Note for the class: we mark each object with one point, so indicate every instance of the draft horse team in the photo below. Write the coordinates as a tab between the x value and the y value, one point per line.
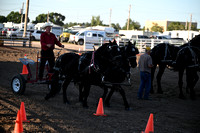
109	67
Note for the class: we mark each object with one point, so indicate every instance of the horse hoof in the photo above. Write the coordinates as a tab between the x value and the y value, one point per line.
107	105
85	106
152	91
47	97
160	92
182	97
128	109
67	102
192	98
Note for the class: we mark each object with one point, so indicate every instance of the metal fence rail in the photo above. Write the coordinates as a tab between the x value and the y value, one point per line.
141	44
15	40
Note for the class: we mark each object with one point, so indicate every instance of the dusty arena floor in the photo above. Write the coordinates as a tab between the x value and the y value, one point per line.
171	114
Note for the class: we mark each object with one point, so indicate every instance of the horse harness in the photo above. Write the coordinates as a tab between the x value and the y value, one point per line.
166	54
94	65
194	56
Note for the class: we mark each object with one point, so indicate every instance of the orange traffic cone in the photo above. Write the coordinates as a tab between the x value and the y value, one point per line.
24	70
18	124
79	51
149	127
100	111
23	113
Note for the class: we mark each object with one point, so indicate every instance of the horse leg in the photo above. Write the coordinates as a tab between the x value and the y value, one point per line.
158	77
122	92
81	92
152	78
192	79
107	100
86	94
64	87
192	92
180	83
54	86
105	88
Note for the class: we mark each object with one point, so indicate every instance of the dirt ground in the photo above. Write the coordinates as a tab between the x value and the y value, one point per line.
171	114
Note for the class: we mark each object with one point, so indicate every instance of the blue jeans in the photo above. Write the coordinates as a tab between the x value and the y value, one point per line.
145	83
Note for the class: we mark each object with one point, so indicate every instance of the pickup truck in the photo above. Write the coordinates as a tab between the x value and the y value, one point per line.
91	36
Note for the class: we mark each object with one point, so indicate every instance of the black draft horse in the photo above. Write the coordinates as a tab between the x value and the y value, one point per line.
113	77
163	55
128	53
166	55
67	67
188	58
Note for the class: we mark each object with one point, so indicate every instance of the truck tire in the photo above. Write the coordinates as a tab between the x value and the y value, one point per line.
81	42
18	84
62	39
32	38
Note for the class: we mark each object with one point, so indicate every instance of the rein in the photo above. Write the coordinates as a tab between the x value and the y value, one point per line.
92	62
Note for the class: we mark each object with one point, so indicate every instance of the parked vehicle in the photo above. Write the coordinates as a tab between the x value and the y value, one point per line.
121	39
64	37
91	36
161	37
139	37
20	32
57	31
3	32
72	36
36	35
11	31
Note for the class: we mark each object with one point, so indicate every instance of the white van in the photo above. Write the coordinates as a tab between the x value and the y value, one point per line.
91	36
57	31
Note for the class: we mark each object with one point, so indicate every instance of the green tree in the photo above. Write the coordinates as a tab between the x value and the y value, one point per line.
192	28
117	27
70	24
132	25
157	28
55	18
41	18
175	26
3	19
15	17
96	21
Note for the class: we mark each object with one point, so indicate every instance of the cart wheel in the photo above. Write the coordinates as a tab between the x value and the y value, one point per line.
18	84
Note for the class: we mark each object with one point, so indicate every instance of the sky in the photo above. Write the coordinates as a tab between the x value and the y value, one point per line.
82	10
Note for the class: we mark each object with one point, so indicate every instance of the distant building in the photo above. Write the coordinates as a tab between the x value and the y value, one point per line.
164	24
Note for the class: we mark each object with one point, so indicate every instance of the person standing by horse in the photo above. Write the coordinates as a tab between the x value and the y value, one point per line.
145	65
48	41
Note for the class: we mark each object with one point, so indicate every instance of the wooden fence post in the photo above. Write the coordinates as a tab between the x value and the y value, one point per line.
24	43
